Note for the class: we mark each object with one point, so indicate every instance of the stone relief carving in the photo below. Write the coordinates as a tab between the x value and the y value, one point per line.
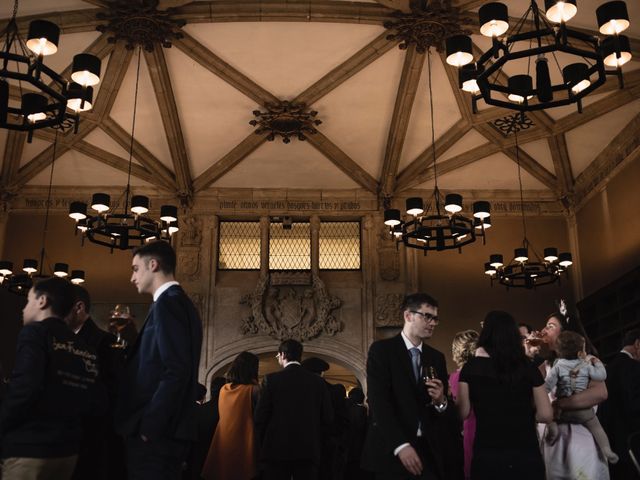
291	311
191	232
388	310
388	256
189	263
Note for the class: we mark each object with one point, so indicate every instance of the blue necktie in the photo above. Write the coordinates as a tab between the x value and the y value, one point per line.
415	362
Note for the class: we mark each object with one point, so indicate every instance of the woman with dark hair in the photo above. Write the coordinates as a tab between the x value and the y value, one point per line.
232	455
507	395
574	454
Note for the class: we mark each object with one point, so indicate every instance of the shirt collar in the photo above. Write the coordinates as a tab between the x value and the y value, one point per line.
627	353
292	362
408	343
161	289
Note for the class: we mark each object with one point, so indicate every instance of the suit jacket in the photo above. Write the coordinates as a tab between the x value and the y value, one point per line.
398	405
292	416
159	384
620	413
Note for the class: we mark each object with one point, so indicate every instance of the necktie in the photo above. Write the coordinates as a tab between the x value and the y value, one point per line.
415	362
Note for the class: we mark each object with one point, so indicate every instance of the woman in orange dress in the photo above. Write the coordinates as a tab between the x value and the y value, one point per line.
232	454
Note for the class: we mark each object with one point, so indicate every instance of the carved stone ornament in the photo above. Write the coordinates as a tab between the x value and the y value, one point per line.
139	22
287	120
388	256
388	310
189	263
428	25
292	311
191	232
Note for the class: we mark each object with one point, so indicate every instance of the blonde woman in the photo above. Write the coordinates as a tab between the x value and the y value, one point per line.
462	349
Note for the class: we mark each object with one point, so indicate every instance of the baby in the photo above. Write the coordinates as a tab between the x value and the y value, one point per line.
571	373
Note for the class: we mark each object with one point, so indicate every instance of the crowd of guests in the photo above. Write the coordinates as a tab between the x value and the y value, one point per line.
521	404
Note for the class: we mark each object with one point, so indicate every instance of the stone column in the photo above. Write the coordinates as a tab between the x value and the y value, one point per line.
574	245
265	222
315	244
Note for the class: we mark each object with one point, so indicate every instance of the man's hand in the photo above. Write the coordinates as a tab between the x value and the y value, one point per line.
410	460
436	390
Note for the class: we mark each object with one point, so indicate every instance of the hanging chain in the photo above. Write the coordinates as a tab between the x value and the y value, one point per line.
433	131
133	129
524	225
46	215
15	10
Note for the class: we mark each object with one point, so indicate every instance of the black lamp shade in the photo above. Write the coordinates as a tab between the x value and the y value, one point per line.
77	277
169	213
613	17
543	80
576	76
467	78
481	209
79	98
82	225
521	254
559	11
459	50
520	87
61	270
4	100
494	19
551	254
86	69
100	202
496	260
139	204
397	230
489	269
480	223
565	259
30	265
414	206
43	37
34	106
78	211
610	45
392	217
453	203
6	267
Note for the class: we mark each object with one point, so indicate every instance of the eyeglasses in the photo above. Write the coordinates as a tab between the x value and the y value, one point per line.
427	317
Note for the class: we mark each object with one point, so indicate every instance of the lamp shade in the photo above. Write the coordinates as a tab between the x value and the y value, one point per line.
82	225
86	69
139	204
392	217
414	206
543	80
169	213
481	209
6	267
100	202
397	231
521	254
78	211
79	98
459	50
172	228
34	107
43	37
453	203
488	269
565	259
467	78
611	45
576	76
30	265
480	223
496	260
613	18
61	270
520	87
558	11
551	254
494	19
77	277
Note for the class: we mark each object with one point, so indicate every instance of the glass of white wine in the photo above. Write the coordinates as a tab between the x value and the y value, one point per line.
120	318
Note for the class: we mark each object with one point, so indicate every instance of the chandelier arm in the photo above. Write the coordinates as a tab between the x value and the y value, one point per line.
133	128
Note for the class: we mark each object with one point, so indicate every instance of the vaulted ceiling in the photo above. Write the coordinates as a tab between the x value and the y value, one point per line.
195	102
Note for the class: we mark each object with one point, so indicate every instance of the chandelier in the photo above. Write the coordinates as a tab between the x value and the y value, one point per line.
132	227
543	40
50	100
21	283
439	226
525	271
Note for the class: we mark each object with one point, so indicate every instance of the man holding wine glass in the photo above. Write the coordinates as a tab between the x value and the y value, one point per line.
413	433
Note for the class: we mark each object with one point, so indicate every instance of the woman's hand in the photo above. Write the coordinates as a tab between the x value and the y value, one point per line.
592	396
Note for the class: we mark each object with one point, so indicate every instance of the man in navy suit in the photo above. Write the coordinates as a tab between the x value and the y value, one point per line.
157	397
414	431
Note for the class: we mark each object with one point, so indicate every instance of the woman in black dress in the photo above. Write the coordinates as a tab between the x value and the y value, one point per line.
508	396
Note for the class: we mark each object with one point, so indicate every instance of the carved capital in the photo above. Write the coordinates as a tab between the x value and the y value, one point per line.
388	310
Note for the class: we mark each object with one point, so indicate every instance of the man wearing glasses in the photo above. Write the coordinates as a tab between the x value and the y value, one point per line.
414	433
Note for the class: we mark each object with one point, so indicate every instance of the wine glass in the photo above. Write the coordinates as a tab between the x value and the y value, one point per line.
120	318
428	373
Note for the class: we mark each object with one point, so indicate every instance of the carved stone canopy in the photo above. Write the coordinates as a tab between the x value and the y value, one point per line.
139	22
285	119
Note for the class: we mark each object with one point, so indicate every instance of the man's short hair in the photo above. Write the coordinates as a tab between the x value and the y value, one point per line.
291	350
630	337
162	252
82	295
59	293
416	300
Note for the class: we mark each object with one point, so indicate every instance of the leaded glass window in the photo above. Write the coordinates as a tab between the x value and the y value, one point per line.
239	246
290	249
339	246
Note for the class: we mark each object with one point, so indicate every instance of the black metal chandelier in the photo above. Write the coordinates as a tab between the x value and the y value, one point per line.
439	226
132	227
21	282
524	270
50	100
537	38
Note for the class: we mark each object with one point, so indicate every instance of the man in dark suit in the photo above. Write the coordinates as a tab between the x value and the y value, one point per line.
620	413
158	391
292	415
414	432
